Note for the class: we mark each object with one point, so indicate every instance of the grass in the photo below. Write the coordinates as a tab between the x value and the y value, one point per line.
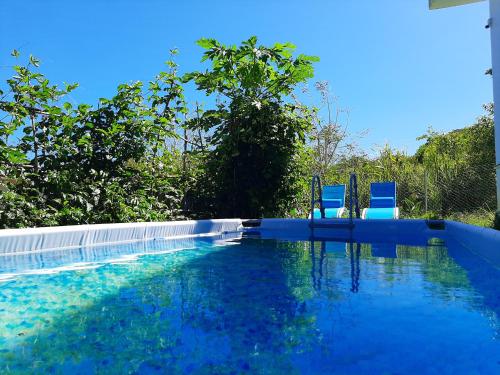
482	218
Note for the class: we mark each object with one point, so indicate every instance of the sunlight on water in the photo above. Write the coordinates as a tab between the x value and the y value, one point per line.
251	306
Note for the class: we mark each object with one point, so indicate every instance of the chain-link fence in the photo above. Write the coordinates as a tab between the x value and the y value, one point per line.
465	193
447	192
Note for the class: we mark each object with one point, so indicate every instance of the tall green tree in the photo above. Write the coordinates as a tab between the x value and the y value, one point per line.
257	133
32	114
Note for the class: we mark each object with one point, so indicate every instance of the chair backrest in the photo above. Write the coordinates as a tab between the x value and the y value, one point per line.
383	194
333	196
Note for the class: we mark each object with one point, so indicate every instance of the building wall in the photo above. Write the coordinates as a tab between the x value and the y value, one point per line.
495	54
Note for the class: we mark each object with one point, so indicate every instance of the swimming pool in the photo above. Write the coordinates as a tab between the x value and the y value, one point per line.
229	304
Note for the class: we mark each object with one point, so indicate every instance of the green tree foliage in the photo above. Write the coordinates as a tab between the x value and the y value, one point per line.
461	166
257	134
251	155
86	164
455	170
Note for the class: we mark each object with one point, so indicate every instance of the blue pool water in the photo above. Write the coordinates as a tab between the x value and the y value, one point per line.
249	305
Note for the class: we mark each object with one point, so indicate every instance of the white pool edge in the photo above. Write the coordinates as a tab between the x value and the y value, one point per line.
13	241
482	241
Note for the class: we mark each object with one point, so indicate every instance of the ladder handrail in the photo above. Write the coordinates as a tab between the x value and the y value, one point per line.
353	196
316	179
353	199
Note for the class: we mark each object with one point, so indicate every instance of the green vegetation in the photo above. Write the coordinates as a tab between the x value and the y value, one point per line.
453	174
256	136
62	164
146	154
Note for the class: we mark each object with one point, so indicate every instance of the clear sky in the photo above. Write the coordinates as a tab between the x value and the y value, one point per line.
397	66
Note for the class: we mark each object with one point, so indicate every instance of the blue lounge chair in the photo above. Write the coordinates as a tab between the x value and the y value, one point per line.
333	198
382	202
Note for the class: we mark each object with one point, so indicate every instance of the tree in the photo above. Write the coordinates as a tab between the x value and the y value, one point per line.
257	135
31	117
330	139
461	166
85	164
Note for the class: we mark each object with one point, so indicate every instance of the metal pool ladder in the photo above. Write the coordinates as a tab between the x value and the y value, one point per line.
353	197
353	204
316	181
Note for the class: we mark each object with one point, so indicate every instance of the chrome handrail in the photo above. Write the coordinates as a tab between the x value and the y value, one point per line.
353	197
316	180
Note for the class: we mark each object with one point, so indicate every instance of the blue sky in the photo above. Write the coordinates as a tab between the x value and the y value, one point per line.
396	66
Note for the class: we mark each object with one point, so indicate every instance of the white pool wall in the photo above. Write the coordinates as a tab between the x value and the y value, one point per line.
51	238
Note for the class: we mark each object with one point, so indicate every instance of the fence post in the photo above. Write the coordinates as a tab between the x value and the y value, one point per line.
425	190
